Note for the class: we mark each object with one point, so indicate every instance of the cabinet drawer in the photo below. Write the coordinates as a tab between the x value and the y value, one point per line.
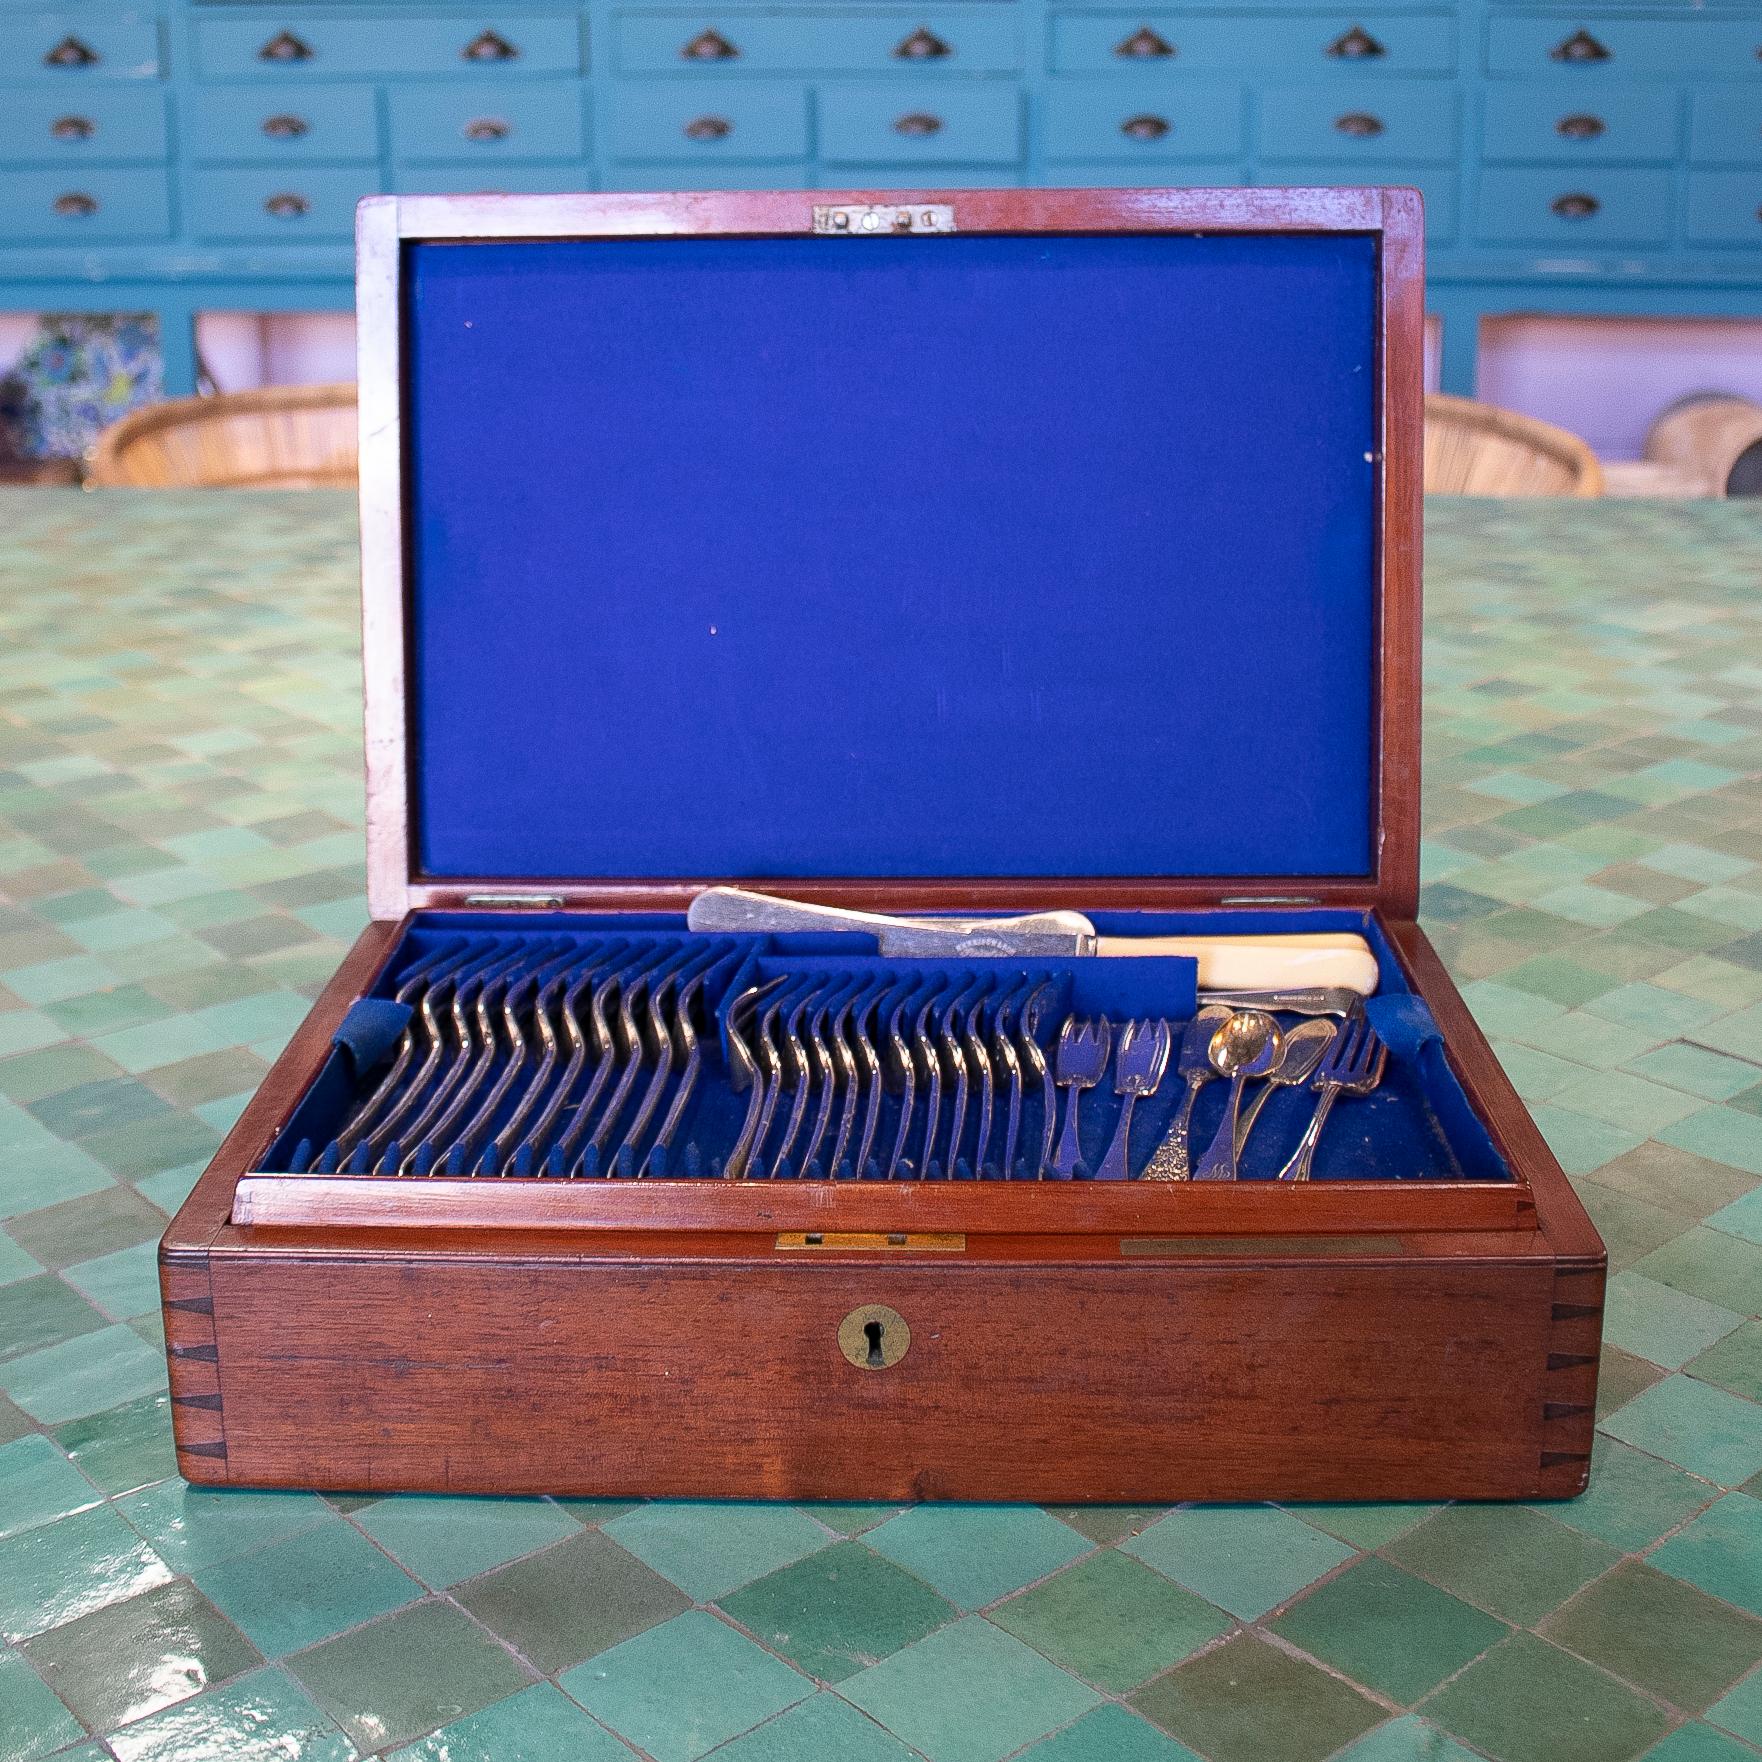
250	122
277	46
465	122
73	127
77	206
860	42
1627	48
1341	45
79	48
1437	189
1411	123
1578	125
1724	208
1150	125
663	119
510	177
1725	128
295	204
1572	210
921	124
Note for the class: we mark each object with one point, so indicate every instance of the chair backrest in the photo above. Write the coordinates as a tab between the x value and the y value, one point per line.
282	437
1475	449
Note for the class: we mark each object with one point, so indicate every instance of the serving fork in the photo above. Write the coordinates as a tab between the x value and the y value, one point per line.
1080	1063
1143	1057
1352	1065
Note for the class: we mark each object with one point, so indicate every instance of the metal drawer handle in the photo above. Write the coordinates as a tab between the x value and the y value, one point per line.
287	206
489	46
1359	124
1580	46
709	46
486	128
1575	206
1144	128
1580	127
71	52
76	205
285	128
1356	44
921	45
708	128
285	46
73	128
918	125
1144	45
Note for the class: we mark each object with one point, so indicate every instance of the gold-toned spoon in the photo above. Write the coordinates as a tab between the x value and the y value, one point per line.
1304	1047
1248	1045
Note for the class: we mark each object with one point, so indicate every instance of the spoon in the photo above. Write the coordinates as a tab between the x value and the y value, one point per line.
1304	1047
1248	1045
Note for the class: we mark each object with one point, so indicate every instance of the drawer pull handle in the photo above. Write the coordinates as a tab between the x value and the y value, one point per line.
486	128
1580	127
708	128
489	46
285	46
1356	44
285	128
1580	46
73	128
921	45
709	46
76	205
287	206
1575	206
1144	45
1144	128
71	52
918	125
1359	124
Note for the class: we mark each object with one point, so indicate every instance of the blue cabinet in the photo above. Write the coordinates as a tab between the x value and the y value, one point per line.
195	154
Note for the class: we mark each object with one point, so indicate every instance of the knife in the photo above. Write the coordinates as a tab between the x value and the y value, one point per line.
1266	962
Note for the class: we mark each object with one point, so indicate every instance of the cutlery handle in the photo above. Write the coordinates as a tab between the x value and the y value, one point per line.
1219	1161
1297	1169
1070	1150
1171	1161
1266	963
1115	1165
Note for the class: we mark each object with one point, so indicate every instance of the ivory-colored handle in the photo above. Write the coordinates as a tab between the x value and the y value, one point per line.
1262	963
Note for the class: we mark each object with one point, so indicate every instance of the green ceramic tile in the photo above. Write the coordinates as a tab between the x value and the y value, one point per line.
1633	1498
681	1689
924	1694
1245	1558
539	1724
571	1601
193	1527
1535	1075
33	1723
445	1540
1677	1179
1589	1040
38	1484
815	1730
847	1519
1705	1430
1724	1134
1247	1701
708	1549
1102	1524
1514	1562
1739	1033
1720	1552
263	1717
1385	1628
84	1374
1742	1217
1633	1104
974	1554
1654	1009
1109	1734
80	1229
1711	1075
1411	1739
407	1673
42	1311
1527	1701
1697	1743
839	1610
1631	1228
1735	1363
129	1659
122	1284
60	1571
306	1588
123	1447
1111	1621
33	1075
1582	1144
1658	1322
1364	1526
1741	1710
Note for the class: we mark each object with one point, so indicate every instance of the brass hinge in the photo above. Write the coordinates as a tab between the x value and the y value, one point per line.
549	902
874	220
935	1242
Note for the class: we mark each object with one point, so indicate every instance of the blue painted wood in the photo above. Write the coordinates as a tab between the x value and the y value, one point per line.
202	113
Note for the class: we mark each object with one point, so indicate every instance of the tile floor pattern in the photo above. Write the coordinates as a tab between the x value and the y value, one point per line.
180	867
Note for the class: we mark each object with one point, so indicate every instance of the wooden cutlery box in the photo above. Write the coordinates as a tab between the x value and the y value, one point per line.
952	552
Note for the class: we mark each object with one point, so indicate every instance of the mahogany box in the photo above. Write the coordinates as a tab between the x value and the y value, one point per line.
952	552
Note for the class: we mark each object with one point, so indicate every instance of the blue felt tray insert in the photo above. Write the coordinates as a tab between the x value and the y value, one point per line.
965	556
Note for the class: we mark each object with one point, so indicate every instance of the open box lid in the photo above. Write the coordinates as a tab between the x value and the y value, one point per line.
976	548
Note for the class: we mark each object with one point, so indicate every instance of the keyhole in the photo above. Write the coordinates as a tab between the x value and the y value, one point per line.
872	1332
874	1337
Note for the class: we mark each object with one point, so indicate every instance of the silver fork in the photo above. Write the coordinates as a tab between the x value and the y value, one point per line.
1144	1056
1172	1159
1353	1065
1080	1064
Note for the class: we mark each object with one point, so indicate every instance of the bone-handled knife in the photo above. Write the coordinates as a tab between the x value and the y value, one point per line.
1266	962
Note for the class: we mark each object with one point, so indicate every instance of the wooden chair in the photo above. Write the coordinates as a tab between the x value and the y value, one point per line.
282	437
1475	449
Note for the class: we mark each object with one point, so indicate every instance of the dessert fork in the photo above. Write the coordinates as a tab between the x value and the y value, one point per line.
1144	1056
1080	1063
1352	1065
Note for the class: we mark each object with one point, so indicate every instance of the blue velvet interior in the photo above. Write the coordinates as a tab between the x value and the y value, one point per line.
1417	1126
967	556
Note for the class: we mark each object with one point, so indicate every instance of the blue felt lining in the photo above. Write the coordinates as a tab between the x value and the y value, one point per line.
973	555
370	1029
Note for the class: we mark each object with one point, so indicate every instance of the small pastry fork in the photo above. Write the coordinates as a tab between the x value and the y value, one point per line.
1144	1056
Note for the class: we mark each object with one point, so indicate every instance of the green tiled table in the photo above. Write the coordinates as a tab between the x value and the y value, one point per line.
180	847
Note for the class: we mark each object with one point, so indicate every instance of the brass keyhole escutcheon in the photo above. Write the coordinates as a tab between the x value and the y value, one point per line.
874	1337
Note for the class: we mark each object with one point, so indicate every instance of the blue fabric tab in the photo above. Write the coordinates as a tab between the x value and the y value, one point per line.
1403	1023
370	1028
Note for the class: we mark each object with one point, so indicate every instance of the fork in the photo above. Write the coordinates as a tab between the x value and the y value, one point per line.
1352	1065
1144	1056
1081	1063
